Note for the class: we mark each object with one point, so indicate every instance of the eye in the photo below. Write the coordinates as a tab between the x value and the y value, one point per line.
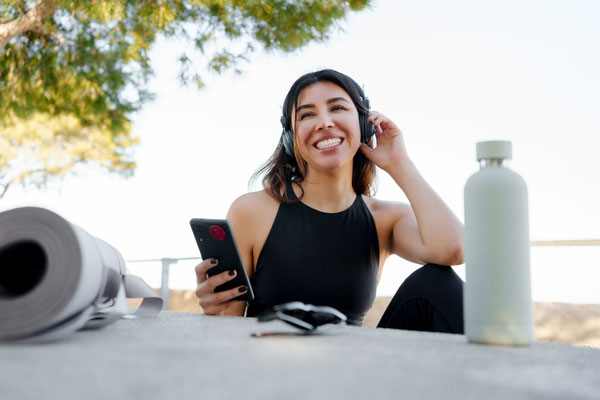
338	107
306	114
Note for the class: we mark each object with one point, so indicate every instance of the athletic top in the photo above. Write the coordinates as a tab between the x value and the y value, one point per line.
319	258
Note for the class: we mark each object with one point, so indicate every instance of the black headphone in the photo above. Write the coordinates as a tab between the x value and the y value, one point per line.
367	130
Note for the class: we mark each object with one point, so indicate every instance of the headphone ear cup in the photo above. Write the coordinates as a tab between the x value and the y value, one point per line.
367	129
287	137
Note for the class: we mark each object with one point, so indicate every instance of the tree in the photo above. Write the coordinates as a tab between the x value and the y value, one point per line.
73	72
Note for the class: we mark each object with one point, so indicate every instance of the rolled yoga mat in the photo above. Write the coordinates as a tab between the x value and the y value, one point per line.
55	278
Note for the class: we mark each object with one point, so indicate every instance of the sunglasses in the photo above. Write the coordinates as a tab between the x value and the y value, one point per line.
305	317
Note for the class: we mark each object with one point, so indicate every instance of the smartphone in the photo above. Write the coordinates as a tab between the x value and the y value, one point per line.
215	240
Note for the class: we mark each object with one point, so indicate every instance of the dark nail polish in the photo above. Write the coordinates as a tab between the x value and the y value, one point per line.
243	289
213	261
231	272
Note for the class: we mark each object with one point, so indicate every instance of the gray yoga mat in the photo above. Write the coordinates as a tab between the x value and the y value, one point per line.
55	278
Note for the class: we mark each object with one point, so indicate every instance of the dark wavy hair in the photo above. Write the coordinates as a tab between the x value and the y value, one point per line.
281	169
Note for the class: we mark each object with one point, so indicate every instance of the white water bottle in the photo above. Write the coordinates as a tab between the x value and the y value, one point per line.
497	295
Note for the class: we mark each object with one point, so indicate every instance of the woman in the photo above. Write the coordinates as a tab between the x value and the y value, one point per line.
315	235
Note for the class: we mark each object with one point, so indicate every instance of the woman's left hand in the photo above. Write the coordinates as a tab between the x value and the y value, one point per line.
390	148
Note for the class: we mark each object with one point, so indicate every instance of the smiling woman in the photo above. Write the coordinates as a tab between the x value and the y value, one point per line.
344	103
315	234
327	131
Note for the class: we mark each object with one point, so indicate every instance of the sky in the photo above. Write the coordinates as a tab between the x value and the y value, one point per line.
449	74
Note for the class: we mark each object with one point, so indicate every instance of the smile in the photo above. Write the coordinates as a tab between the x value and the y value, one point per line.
327	143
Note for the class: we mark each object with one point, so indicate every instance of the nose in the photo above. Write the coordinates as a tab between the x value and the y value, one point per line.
325	122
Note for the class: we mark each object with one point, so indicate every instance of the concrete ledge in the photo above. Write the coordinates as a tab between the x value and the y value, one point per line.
577	324
185	356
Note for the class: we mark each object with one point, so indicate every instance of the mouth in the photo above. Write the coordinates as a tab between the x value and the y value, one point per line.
328	143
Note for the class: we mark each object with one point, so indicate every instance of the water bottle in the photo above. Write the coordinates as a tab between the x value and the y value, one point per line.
497	295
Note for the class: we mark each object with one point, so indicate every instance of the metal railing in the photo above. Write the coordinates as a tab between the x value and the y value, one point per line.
167	262
564	243
164	279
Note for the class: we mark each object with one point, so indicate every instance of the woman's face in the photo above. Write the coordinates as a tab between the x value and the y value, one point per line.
326	126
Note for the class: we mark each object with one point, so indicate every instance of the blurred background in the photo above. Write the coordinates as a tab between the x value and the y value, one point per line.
449	74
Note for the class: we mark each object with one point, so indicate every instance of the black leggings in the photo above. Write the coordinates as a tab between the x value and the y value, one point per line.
430	299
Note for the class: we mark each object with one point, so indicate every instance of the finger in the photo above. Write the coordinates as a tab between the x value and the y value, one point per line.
212	300
387	124
203	267
376	119
375	115
378	128
217	308
227	295
209	285
381	121
202	290
366	150
217	280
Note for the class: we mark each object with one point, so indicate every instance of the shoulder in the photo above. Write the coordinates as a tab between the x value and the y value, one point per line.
254	199
387	209
252	205
251	216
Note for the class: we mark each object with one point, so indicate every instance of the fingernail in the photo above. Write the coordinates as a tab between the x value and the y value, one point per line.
243	289
213	261
231	272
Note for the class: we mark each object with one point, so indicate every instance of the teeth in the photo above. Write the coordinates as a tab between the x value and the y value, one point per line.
323	144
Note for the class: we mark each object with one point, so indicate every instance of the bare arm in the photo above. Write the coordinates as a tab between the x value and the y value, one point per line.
240	218
427	230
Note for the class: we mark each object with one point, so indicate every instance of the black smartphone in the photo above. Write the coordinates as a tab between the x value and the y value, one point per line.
215	240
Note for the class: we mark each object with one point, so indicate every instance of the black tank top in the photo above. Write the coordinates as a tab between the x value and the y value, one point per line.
319	258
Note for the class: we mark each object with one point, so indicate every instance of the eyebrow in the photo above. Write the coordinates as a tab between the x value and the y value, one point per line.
332	100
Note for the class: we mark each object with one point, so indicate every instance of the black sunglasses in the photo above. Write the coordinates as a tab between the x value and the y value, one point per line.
306	317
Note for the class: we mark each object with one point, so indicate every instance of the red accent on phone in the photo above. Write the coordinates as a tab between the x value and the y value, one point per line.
217	232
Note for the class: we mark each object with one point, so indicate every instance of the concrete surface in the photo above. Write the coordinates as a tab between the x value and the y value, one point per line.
577	324
192	356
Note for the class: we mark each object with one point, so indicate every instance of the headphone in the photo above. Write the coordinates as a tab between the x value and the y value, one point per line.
367	130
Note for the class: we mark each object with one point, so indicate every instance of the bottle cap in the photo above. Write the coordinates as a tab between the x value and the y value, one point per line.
498	149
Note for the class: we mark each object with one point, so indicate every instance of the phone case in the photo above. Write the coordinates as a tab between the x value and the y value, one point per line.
215	240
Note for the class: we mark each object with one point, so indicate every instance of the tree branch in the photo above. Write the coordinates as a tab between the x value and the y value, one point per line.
25	174
31	21
5	188
18	178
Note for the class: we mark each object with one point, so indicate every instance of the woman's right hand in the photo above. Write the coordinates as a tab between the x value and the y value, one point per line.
215	303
